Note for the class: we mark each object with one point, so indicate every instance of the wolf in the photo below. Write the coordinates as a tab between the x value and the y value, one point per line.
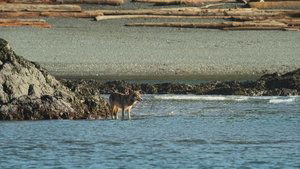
123	102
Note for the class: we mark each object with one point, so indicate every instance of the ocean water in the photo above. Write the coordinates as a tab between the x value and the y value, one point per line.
167	131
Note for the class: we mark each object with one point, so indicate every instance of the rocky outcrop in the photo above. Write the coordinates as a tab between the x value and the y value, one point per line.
267	85
29	92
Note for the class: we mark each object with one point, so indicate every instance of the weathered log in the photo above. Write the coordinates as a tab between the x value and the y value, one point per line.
194	12
253	28
5	7
181	2
19	14
292	29
82	14
275	5
286	20
17	24
31	1
259	18
104	2
24	22
105	17
220	25
289	21
270	0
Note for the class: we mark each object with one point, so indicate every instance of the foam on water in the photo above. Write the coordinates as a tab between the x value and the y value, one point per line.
270	99
283	100
188	97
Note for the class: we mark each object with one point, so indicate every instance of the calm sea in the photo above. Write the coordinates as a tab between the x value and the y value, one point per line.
167	131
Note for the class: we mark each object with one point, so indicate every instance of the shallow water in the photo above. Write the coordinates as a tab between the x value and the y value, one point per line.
167	131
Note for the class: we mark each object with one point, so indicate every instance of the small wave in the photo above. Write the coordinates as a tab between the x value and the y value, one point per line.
197	97
270	99
282	100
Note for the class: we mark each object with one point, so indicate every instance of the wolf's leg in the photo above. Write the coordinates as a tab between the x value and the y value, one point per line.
116	114
111	112
129	116
123	113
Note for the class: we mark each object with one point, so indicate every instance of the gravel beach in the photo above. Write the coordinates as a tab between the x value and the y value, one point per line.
109	50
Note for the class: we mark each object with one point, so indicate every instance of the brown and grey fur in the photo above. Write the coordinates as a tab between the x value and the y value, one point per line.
123	102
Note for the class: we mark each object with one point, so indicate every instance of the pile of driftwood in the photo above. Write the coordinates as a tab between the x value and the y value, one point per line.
9	12
265	4
242	18
258	17
21	12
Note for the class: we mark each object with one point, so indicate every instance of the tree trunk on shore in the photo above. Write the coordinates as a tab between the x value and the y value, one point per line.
31	1
104	2
275	5
104	17
221	25
192	11
38	8
181	2
25	22
252	28
82	14
270	0
19	14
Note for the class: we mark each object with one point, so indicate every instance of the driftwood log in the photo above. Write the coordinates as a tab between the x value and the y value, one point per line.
5	7
270	0
106	2
24	22
257	25
30	1
103	2
181	2
193	11
276	5
109	17
253	28
82	14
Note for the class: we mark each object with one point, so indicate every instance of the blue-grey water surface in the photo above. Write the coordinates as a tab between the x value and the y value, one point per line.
167	131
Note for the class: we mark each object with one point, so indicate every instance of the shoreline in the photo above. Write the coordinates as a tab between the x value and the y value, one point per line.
161	78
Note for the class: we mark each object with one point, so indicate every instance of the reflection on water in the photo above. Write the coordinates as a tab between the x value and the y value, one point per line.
167	131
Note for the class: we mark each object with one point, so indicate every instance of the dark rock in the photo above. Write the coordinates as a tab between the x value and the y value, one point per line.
167	88
29	92
268	85
148	88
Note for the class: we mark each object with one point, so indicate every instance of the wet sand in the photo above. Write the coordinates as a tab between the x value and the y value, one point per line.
109	50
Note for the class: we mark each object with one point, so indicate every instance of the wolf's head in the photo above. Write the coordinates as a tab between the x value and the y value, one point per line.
135	95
